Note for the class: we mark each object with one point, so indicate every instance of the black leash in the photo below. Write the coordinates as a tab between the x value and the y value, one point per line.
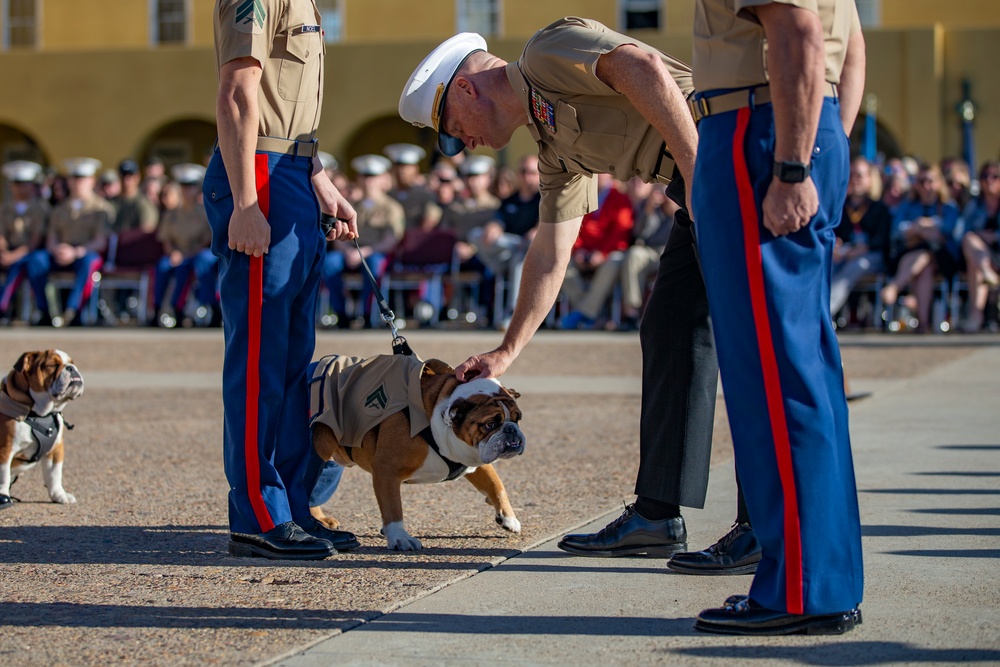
399	344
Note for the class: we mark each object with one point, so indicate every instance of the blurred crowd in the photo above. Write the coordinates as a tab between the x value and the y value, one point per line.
917	248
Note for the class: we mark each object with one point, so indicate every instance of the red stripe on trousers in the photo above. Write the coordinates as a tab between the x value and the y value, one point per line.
769	364
256	302
88	287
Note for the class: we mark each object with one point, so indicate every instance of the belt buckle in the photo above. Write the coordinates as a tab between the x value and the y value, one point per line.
699	108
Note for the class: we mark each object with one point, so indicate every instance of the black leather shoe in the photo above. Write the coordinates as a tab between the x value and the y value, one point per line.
286	541
5	502
743	616
630	535
341	539
738	552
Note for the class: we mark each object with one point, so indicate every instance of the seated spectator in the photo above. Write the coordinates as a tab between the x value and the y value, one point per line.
381	224
23	223
598	252
134	210
957	180
981	244
445	185
187	240
109	185
78	234
862	237
897	185
469	213
409	187
654	218
923	241
505	239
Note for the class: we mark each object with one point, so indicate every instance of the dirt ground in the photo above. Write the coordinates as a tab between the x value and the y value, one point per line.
137	571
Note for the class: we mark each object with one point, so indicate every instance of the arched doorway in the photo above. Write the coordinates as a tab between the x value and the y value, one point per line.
188	140
18	145
376	134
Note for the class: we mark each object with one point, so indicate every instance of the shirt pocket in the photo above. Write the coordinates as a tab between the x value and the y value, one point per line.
298	77
597	134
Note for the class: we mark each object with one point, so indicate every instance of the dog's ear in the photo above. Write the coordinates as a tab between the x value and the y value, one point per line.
514	393
437	367
459	410
25	360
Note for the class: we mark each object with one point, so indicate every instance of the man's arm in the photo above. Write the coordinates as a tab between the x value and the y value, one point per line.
797	71
238	120
542	277
646	82
852	81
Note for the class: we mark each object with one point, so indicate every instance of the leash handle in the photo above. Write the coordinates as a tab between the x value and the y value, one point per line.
399	344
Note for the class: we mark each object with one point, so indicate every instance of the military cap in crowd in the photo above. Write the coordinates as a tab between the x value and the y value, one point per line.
476	165
327	160
188	173
109	176
421	103
404	153
128	167
370	165
82	167
22	171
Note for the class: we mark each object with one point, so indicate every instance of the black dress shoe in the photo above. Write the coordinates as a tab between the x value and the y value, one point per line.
286	541
630	535
5	502
738	552
341	539
743	616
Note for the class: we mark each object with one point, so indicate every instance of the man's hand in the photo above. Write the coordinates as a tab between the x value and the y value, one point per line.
489	365
249	232
788	207
331	202
64	254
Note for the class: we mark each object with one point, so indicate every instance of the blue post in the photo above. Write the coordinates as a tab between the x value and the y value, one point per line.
870	145
967	112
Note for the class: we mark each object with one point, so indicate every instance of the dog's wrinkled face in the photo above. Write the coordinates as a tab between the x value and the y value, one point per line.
484	415
53	379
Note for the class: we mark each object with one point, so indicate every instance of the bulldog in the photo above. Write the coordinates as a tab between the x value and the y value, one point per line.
407	421
32	398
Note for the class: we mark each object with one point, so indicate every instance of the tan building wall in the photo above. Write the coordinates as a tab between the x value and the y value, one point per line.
948	13
80	96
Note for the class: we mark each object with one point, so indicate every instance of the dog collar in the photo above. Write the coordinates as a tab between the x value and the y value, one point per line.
455	470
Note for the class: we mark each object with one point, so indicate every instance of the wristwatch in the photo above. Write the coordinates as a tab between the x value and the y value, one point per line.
791	172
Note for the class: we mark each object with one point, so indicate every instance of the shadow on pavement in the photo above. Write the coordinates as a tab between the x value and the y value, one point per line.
199	546
970	447
34	614
842	654
610	626
949	553
970	511
917	531
943	492
958	474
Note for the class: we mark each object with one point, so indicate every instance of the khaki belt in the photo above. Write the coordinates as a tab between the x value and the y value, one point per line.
709	106
288	146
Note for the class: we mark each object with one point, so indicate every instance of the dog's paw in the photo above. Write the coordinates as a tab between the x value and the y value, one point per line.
400	540
62	498
509	523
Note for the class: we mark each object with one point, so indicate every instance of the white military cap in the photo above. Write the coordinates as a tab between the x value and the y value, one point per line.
405	153
370	165
476	165
188	173
22	171
82	166
423	98
327	160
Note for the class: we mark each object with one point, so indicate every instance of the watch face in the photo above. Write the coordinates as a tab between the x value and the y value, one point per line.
791	172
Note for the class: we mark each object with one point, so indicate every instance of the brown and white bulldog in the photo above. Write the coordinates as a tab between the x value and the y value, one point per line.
406	421
32	398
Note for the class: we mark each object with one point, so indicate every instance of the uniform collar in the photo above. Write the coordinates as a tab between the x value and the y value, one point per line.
523	91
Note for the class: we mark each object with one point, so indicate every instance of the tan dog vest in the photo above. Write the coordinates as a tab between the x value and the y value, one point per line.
353	395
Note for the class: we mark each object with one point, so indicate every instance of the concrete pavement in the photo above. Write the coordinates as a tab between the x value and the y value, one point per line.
927	456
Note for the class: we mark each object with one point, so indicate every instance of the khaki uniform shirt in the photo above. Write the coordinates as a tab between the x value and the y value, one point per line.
379	217
414	202
468	214
18	228
583	126
135	213
185	230
79	225
285	37
730	49
352	395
